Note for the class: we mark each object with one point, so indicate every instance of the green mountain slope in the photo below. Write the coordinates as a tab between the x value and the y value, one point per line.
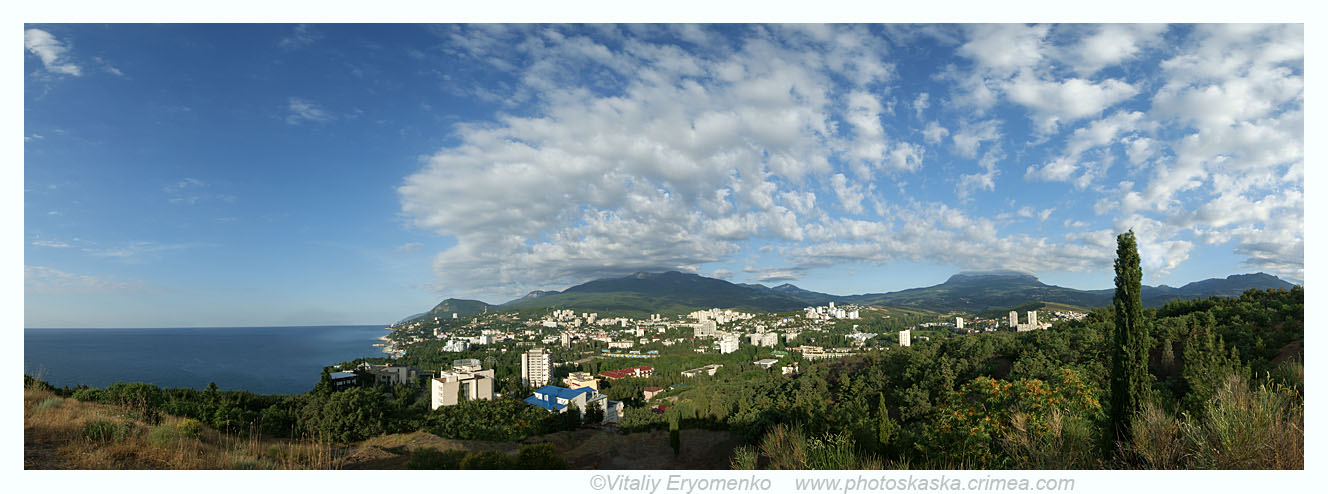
667	293
673	293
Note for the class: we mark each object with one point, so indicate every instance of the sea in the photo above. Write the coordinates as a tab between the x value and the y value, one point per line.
265	360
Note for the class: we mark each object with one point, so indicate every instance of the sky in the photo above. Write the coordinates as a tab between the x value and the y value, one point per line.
280	174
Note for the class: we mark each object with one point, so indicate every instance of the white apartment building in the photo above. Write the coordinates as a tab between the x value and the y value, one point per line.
464	381
729	344
536	364
1014	319
959	322
905	338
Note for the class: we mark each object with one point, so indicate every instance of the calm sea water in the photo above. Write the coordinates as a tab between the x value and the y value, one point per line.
279	360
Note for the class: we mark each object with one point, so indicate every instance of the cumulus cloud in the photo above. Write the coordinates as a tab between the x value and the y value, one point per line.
1111	44
52	52
620	149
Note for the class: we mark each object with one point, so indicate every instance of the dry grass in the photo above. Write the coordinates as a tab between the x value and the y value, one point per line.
54	438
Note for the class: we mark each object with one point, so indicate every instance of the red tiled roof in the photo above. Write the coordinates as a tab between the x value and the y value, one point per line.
628	372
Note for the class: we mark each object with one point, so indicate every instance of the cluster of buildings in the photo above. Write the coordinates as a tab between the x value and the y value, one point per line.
1030	325
828	312
721	316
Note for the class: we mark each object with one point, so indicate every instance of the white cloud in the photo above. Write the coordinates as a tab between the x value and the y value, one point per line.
51	51
1098	134
42	279
971	136
1056	103
1111	44
303	35
1004	49
986	180
920	104
934	133
408	247
55	244
301	110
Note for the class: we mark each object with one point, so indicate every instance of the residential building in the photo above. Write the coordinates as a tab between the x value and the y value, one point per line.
456	346
581	380
1014	319
789	368
390	374
639	371
708	370
766	363
650	392
559	399
466	380
1032	318
704	329
729	344
536	364
959	323
905	338
342	380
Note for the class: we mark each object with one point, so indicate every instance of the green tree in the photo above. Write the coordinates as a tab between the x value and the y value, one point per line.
1130	380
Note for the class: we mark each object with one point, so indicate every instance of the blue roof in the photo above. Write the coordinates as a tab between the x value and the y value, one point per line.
545	404
561	392
553	393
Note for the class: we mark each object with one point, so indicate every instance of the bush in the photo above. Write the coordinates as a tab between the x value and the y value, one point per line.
1244	428
143	399
89	395
99	430
162	436
744	458
189	428
540	457
104	430
49	403
487	460
432	459
1155	440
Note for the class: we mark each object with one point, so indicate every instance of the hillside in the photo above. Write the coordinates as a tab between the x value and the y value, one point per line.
978	292
460	307
668	293
673	293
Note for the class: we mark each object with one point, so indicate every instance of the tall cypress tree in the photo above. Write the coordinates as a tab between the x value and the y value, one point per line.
1130	381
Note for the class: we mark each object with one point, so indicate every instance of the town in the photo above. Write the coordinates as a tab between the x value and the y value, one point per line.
562	360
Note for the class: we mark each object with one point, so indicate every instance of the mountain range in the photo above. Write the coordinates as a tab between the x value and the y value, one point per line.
672	292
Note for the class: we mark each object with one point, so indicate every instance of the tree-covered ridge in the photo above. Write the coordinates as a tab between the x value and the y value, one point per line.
674	293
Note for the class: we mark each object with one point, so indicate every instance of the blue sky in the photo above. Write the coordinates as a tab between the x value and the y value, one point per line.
275	174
